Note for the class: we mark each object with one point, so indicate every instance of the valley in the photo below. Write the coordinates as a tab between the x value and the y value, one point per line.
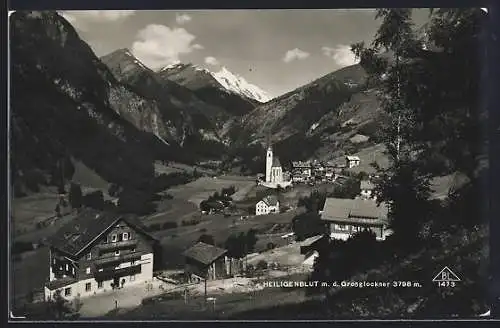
149	182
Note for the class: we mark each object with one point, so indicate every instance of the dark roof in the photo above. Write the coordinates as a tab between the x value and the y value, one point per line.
80	232
355	211
270	200
59	283
204	253
276	162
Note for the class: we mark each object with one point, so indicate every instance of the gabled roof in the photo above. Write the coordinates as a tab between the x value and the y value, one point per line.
367	185
352	158
270	200
354	211
79	233
204	253
276	162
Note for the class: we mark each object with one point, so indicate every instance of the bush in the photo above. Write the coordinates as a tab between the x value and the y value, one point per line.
94	200
261	265
207	239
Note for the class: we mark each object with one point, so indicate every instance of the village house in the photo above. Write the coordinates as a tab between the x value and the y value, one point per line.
367	189
205	261
318	170
352	161
345	217
269	204
98	252
301	171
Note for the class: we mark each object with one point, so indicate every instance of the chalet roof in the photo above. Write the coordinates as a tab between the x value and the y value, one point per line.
354	211
276	162
352	158
59	283
79	233
270	200
367	185
204	253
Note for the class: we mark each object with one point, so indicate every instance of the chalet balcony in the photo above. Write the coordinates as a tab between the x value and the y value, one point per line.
116	260
114	273
117	245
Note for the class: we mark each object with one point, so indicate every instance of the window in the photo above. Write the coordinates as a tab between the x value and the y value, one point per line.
113	238
88	270
67	267
125	236
89	256
117	252
67	291
88	287
132	277
99	284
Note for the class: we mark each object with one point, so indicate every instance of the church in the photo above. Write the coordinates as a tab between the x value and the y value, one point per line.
274	171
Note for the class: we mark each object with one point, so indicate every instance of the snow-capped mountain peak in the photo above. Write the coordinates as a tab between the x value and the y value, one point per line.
239	85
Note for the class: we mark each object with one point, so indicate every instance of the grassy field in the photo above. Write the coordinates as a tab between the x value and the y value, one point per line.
29	273
201	189
28	211
172	210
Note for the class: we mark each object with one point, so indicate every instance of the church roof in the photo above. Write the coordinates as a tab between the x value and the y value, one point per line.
276	162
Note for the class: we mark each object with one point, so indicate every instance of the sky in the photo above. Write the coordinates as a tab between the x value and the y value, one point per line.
277	50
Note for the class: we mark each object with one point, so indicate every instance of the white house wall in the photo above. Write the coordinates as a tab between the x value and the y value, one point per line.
78	288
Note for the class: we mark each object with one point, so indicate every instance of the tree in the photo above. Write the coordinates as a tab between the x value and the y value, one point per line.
239	245
307	225
250	240
75	196
207	239
59	307
94	200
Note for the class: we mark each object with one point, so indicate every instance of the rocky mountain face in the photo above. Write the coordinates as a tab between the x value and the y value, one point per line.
65	103
234	94
187	116
315	120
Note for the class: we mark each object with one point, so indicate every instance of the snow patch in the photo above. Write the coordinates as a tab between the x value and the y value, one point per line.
239	85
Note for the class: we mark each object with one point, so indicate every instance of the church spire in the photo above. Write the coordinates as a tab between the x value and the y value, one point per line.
268	141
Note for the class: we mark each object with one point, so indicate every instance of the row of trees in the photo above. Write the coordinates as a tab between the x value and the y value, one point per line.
218	201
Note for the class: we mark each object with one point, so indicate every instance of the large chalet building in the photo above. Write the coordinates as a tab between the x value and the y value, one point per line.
97	252
346	217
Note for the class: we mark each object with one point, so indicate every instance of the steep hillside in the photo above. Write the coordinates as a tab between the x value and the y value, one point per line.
317	119
66	103
179	106
207	86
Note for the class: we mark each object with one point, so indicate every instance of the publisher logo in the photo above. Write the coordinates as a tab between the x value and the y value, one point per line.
446	278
